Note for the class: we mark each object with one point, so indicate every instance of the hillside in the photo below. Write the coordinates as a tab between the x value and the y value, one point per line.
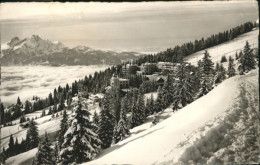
180	136
228	48
165	142
38	51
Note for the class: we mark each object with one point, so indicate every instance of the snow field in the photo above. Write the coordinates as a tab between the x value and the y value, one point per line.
228	48
23	158
46	123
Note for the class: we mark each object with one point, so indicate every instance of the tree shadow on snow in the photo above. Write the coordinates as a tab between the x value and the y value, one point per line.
118	146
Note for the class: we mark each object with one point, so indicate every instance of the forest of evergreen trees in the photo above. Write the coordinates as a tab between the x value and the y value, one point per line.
89	137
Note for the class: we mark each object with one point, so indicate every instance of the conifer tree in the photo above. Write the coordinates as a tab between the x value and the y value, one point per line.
32	136
207	75
43	113
231	67
155	118
141	106
167	91
54	109
121	130
159	103
127	103
207	64
61	105
50	99
147	107
27	107
11	145
69	98
223	59
115	103
16	146
217	67
45	154
81	143
56	152
55	96
22	119
183	90
246	61
236	56
138	111
3	156
151	106
19	101
96	120
50	111
2	113
106	123
134	116
221	74
63	128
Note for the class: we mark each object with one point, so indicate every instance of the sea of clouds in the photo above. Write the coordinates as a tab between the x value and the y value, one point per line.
26	81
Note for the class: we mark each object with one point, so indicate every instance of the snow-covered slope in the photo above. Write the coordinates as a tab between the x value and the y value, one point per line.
165	142
228	48
23	158
46	123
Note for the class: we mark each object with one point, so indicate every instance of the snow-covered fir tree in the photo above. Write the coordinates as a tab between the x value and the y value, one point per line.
236	56
56	152
43	113
106	123
32	136
138	111
220	74
217	66
81	143
115	103
45	154
206	75
159	103
246	61
167	91
231	67
207	64
183	90
63	128
148	107
50	111
27	108
96	120
121	130
54	109
141	106
61	104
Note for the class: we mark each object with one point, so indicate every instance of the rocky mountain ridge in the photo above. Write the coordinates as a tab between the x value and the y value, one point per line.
38	51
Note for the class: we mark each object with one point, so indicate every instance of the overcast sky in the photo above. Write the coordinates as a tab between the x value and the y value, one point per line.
144	27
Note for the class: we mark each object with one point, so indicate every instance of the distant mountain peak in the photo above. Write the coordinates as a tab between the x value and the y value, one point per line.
35	50
35	37
14	41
